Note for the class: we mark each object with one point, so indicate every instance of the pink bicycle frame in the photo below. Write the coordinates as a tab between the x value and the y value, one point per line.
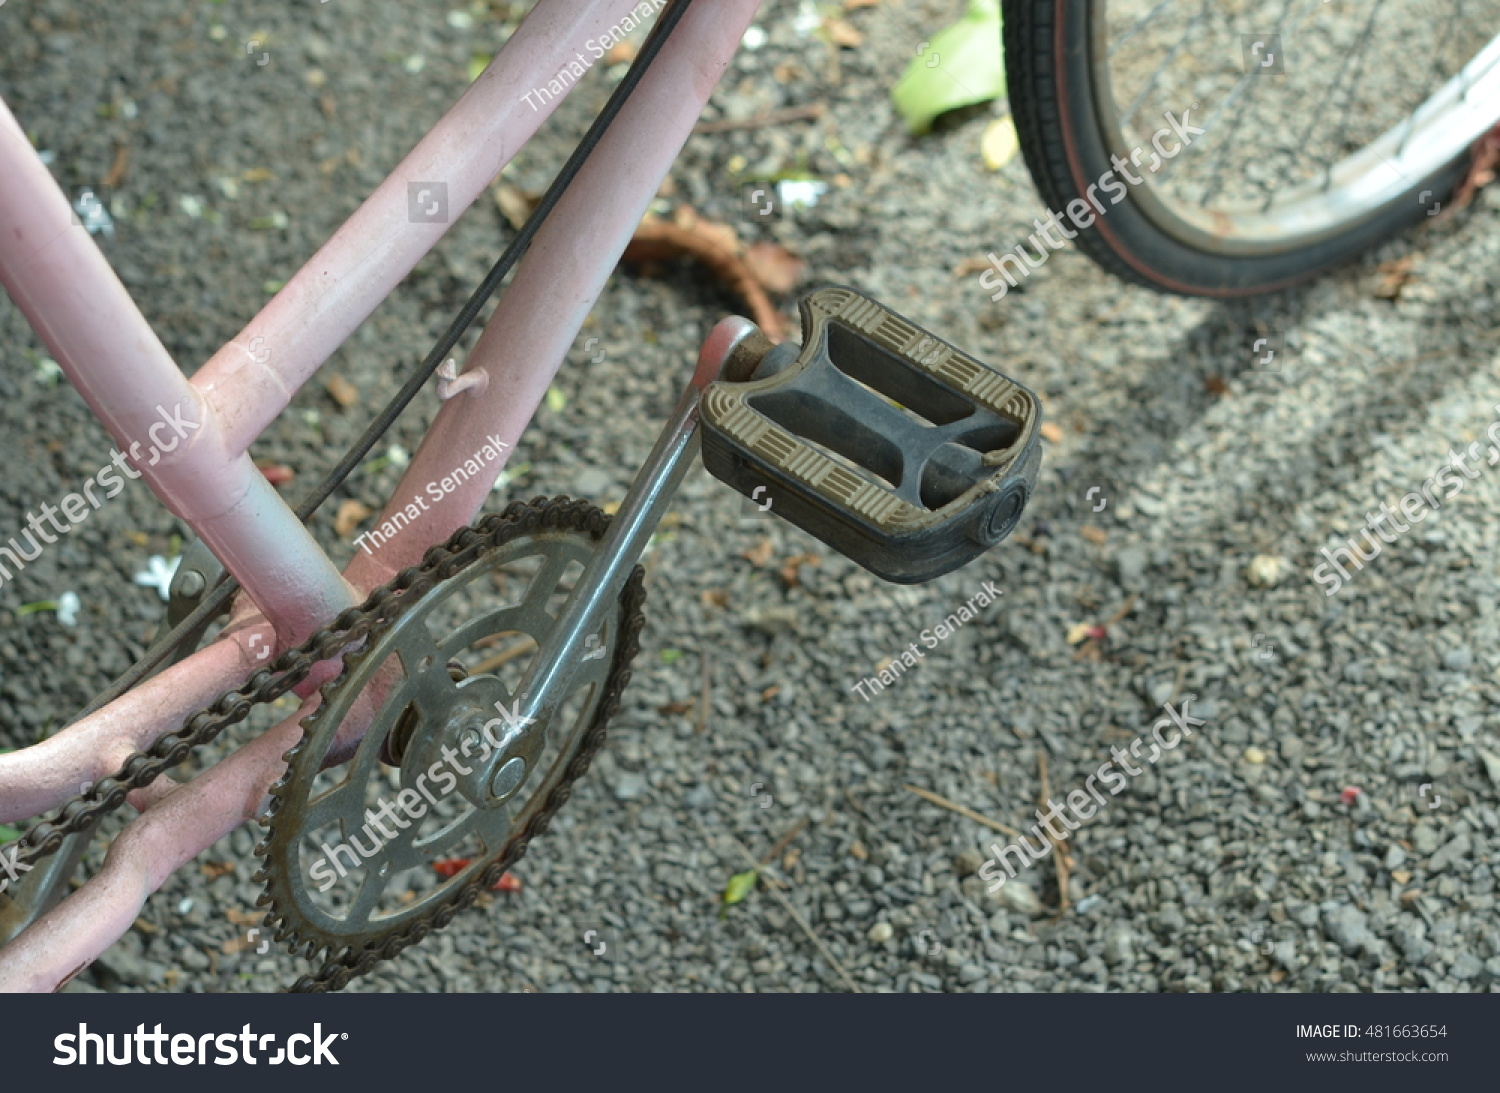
65	287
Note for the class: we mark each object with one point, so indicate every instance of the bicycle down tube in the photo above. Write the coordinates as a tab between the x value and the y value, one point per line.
239	391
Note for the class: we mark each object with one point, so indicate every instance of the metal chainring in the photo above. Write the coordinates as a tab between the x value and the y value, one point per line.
402	653
293	666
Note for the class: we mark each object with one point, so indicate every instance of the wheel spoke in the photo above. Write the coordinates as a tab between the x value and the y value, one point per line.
1247	85
1139	25
1310	153
1336	149
1166	61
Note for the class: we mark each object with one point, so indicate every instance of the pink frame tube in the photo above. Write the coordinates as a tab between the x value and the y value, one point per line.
69	293
603	207
67	290
380	244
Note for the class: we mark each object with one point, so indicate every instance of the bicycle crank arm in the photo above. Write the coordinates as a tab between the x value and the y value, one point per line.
891	446
732	346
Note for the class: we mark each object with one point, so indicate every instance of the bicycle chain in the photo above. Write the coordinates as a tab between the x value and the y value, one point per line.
336	972
293	666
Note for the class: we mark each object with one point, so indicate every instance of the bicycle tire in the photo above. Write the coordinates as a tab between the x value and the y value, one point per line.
1049	58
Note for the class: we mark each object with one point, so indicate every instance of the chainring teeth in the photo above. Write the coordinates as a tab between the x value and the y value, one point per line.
343	960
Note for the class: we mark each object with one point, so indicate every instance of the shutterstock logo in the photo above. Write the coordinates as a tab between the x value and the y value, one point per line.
189	1050
10	867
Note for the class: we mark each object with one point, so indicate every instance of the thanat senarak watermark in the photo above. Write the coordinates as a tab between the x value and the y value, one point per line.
931	638
574	71
438	490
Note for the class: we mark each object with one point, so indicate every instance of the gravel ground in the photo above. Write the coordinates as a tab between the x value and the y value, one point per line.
1239	862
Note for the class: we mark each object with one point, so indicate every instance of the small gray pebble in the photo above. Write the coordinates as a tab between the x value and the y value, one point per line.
630	786
1458	660
968	862
1119	945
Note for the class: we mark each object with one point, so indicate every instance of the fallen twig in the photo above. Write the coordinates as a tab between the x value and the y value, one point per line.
504	656
781	844
704	696
774	886
1059	846
810	112
943	802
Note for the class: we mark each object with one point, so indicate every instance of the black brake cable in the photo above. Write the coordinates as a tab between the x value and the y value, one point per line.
215	600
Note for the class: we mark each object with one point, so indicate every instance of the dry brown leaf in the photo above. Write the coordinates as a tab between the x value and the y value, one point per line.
1394	276
714	597
721	235
341	390
514	203
1078	631
855	5
842	33
348	517
970	265
245	918
1052	431
213	870
791	567
1094	534
714	245
116	174
760	553
1484	157
858	850
776	268
622	54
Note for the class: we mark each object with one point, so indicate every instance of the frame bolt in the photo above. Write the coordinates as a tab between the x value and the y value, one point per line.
508	778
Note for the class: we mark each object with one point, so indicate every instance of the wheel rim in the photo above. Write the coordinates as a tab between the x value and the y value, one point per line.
1327	193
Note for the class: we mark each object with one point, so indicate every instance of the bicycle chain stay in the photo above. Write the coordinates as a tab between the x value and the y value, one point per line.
294	666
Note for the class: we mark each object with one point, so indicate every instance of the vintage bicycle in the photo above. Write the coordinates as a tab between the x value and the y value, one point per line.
414	740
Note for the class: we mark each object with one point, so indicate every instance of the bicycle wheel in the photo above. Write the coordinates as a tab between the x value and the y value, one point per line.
1236	148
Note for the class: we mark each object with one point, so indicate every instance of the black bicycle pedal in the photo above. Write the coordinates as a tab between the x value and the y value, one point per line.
896	449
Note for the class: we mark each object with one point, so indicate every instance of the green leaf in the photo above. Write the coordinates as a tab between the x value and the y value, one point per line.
740	885
478	62
961	65
671	656
556	400
8	834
